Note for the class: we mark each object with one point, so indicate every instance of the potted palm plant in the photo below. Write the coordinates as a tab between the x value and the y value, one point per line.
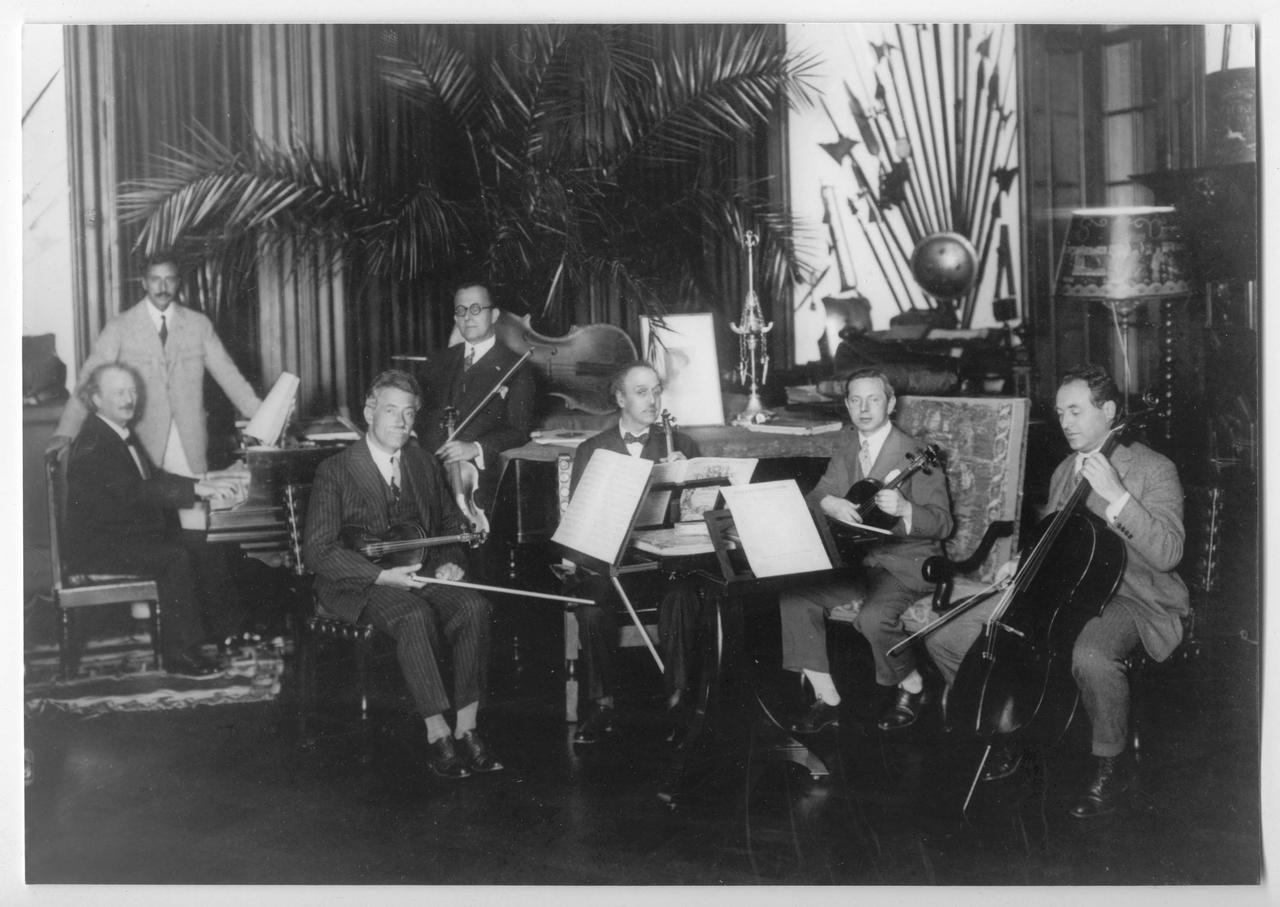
565	161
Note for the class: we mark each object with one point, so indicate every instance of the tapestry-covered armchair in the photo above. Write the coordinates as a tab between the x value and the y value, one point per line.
984	446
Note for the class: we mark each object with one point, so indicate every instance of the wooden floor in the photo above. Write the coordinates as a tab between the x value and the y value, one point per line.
226	795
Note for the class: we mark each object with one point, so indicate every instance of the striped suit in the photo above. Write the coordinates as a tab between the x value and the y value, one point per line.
350	491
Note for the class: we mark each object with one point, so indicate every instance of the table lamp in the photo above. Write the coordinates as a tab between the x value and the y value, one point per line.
1123	257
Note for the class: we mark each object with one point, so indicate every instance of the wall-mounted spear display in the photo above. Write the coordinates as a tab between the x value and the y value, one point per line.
932	108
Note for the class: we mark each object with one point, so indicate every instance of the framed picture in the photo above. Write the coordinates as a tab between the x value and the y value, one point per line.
683	350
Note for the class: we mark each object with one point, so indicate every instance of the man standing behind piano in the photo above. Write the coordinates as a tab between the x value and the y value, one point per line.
376	483
637	390
890	580
461	376
171	347
122	518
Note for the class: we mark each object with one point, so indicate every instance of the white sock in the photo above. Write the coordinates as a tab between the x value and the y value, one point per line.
823	686
913	682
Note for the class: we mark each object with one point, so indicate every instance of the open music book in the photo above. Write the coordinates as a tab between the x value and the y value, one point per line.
693	501
599	518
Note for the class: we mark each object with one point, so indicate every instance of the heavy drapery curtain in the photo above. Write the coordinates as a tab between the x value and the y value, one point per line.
137	93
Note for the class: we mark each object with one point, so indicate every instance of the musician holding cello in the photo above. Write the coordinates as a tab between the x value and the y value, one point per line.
376	484
1133	493
919	518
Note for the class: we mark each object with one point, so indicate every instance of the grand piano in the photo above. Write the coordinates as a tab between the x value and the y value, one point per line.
258	524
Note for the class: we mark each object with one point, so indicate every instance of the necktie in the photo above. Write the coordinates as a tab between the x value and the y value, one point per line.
164	330
470	359
132	441
864	458
628	438
395	479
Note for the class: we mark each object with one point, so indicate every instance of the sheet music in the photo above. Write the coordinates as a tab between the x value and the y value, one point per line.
267	424
599	516
776	528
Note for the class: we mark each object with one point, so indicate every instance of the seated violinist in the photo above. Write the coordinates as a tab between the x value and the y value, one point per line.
1136	492
122	517
637	389
461	377
378	483
920	512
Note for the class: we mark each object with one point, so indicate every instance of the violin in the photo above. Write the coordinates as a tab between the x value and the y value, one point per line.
464	479
862	494
1017	678
668	429
402	543
576	367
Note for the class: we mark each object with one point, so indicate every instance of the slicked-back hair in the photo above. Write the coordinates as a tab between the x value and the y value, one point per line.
1102	387
618	382
397	378
870	373
160	258
93	383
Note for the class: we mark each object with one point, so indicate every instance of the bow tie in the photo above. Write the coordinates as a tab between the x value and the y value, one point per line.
628	438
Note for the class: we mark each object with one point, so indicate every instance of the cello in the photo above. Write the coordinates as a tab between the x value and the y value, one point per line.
1016	679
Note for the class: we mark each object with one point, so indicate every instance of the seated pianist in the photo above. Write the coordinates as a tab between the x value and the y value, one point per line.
637	390
122	518
890	580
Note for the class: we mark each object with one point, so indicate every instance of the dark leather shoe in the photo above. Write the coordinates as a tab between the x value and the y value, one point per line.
444	761
1002	763
191	664
1112	778
904	711
476	755
819	717
595	728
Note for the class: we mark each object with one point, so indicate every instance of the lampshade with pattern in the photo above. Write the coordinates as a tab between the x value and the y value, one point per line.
1123	255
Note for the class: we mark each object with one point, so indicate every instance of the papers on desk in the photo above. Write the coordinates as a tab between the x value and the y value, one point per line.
776	527
683	539
331	428
789	425
561	437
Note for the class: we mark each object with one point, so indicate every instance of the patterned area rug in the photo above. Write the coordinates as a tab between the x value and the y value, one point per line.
119	675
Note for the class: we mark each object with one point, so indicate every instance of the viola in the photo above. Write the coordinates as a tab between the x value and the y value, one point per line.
402	543
862	494
1016	679
464	479
576	367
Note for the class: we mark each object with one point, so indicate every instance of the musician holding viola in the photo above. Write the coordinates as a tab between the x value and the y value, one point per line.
919	511
376	484
637	390
1136	492
461	377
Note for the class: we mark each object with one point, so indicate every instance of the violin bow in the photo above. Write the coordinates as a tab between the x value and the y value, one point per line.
484	588
489	396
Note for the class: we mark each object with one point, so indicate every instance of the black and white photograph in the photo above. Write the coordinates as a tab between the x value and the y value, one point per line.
520	454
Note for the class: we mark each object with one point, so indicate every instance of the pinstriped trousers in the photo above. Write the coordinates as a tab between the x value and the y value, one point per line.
419	621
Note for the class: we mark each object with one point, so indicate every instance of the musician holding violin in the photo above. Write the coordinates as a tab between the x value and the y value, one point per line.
637	390
918	518
382	487
1130	496
462	378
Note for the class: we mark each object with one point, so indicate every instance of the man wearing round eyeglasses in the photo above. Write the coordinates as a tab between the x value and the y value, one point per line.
461	377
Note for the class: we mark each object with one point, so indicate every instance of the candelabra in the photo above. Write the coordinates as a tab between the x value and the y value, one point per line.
753	352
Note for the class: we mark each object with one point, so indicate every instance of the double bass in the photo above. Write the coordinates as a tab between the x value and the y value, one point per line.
1016	679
